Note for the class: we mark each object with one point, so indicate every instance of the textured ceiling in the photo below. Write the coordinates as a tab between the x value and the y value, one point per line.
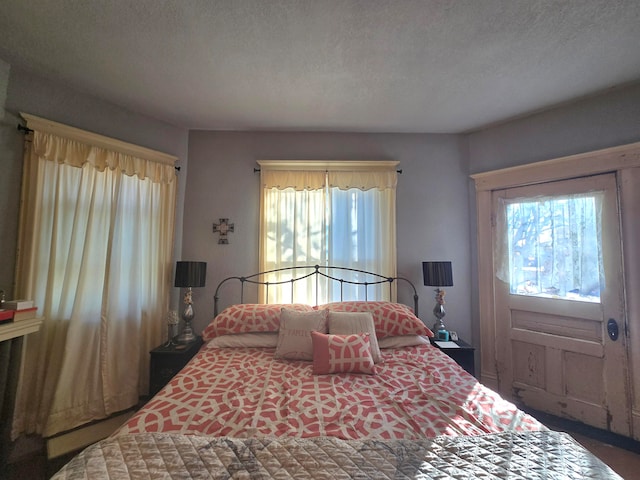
332	65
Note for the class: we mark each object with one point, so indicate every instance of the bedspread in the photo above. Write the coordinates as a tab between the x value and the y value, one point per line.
516	456
241	392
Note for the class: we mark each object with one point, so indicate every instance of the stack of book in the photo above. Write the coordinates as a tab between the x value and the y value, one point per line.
21	309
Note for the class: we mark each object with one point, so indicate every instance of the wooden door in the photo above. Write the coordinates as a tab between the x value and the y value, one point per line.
562	352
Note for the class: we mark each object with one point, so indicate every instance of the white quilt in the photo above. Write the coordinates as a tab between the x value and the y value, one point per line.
513	456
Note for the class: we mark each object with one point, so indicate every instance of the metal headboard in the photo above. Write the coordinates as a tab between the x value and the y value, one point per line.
304	272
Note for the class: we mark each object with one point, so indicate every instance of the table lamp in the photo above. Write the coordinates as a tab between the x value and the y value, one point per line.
438	274
188	275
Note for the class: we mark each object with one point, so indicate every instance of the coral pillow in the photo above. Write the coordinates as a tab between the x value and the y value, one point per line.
294	337
342	354
390	319
343	323
248	318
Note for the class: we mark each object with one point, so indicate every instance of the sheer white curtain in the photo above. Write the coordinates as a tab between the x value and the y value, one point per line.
342	217
95	252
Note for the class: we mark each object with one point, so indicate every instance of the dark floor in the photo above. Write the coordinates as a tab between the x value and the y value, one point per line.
620	453
36	467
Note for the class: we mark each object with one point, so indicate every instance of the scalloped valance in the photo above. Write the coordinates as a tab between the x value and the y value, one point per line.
67	145
314	175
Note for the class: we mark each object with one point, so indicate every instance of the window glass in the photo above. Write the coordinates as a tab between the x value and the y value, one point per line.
555	247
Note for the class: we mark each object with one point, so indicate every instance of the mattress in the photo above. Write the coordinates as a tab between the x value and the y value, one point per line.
509	455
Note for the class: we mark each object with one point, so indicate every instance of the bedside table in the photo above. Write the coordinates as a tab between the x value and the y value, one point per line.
463	356
167	361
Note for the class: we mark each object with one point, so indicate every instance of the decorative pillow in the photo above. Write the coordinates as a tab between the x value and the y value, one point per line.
390	319
343	323
342	353
294	337
248	318
239	340
403	341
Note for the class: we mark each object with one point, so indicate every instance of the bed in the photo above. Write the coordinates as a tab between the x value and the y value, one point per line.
347	389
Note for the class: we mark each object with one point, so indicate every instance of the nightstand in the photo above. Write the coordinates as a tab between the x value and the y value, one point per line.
166	361
463	356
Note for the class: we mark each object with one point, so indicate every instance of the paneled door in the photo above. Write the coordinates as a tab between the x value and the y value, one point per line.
559	292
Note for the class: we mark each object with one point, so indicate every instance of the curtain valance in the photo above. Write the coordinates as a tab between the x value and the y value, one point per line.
314	175
296	179
71	152
363	180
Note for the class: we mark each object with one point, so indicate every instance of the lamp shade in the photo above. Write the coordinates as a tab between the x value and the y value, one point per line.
437	274
191	274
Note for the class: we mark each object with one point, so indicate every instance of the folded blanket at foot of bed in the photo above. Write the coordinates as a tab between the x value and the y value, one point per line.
527	455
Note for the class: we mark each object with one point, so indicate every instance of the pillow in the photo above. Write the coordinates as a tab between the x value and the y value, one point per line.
248	318
390	319
342	323
294	337
238	340
342	353
403	341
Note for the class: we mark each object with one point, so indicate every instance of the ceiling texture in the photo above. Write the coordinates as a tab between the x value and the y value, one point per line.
438	66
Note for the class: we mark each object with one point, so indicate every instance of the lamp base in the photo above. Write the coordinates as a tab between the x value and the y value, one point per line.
187	335
438	326
438	312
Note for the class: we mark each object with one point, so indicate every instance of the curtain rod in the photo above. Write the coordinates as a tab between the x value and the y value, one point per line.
257	170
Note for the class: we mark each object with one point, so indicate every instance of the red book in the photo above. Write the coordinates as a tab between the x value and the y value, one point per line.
6	316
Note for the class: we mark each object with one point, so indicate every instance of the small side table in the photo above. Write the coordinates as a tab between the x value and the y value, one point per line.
463	356
166	361
11	349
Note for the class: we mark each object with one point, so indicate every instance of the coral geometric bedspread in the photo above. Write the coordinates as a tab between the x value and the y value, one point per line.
418	392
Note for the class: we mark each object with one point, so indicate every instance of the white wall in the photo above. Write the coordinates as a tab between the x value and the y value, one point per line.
4	84
10	148
432	205
597	122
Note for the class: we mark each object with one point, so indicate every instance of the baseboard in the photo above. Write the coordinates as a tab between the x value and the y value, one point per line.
489	379
84	436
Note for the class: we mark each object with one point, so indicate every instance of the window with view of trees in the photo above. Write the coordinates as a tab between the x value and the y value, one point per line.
555	247
333	215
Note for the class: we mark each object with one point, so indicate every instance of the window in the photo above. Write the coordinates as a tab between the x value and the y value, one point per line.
555	247
97	225
338	214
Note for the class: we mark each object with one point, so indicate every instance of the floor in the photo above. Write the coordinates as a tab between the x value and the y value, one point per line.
623	458
620	453
624	462
36	468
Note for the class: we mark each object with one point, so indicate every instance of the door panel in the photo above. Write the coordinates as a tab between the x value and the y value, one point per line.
555	354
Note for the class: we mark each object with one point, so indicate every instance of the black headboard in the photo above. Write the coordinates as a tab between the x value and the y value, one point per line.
334	274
